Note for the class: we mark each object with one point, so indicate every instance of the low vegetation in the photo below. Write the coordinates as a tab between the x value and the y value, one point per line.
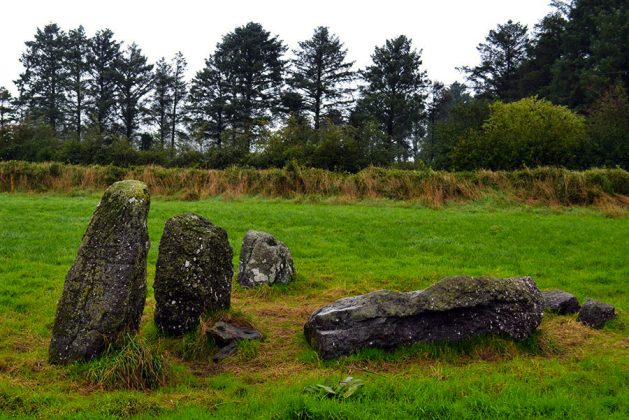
565	370
605	188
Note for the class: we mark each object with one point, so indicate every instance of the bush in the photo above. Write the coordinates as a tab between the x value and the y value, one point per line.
528	133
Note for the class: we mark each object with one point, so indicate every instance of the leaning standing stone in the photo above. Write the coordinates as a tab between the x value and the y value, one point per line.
104	291
193	274
264	260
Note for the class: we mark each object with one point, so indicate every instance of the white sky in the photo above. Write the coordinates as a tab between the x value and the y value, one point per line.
448	31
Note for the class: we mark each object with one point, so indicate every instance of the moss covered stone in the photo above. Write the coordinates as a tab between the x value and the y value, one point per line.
264	260
454	309
104	291
193	275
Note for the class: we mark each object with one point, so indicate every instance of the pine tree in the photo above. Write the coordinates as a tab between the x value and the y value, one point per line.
42	84
103	59
77	68
209	102
134	78
7	110
394	91
322	74
161	99
253	61
501	55
179	93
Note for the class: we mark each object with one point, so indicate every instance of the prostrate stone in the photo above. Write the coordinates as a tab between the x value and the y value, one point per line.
226	335
560	302
193	274
264	260
104	291
595	314
453	309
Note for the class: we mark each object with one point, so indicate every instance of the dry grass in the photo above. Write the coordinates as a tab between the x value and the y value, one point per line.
604	188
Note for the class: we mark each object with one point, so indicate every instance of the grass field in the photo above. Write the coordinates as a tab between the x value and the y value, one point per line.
567	370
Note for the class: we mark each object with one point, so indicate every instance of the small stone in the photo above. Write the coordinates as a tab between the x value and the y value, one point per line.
190	283
225	333
104	291
264	260
595	314
560	302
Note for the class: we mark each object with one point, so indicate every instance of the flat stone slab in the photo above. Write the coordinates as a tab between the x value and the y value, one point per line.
264	260
104	291
453	309
225	333
193	275
560	302
595	314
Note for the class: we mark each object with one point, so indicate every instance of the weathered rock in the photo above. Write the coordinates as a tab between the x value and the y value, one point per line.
225	333
264	260
595	314
193	274
454	309
104	291
560	302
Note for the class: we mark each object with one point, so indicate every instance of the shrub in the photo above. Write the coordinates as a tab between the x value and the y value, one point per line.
528	133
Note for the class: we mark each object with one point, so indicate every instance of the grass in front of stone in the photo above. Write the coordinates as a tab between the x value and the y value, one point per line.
565	370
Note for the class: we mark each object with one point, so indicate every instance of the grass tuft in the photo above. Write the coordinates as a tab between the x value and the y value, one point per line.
134	364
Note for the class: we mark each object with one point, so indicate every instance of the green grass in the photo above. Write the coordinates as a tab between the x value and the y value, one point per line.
565	371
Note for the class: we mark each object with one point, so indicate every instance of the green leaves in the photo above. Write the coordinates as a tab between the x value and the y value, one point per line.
345	389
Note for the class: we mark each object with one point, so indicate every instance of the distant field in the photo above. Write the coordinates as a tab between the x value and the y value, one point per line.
339	250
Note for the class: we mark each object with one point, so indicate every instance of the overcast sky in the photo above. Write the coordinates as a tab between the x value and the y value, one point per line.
448	31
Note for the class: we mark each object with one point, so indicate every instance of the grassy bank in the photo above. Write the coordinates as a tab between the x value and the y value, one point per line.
605	188
566	371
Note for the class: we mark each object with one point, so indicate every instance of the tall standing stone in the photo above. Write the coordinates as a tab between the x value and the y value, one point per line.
104	291
193	275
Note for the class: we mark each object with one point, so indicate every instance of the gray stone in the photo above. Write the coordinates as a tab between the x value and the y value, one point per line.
595	314
264	260
453	309
105	290
193	274
225	333
560	302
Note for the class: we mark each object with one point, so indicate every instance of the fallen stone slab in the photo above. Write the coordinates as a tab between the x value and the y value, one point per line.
225	333
193	275
451	310
595	314
560	302
264	260
104	291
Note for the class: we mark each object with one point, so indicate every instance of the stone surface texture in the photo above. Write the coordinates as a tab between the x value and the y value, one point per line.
193	274
264	260
560	302
595	314
105	290
453	309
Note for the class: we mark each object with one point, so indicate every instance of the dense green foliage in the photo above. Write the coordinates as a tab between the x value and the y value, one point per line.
87	99
529	132
567	371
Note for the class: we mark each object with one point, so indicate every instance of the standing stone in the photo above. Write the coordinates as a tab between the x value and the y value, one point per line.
193	274
264	260
595	314
560	302
454	309
104	291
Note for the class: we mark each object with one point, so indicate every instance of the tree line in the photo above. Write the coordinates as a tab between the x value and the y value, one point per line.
553	95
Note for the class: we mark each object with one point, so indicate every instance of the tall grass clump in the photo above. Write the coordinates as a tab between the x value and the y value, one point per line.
132	364
607	188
